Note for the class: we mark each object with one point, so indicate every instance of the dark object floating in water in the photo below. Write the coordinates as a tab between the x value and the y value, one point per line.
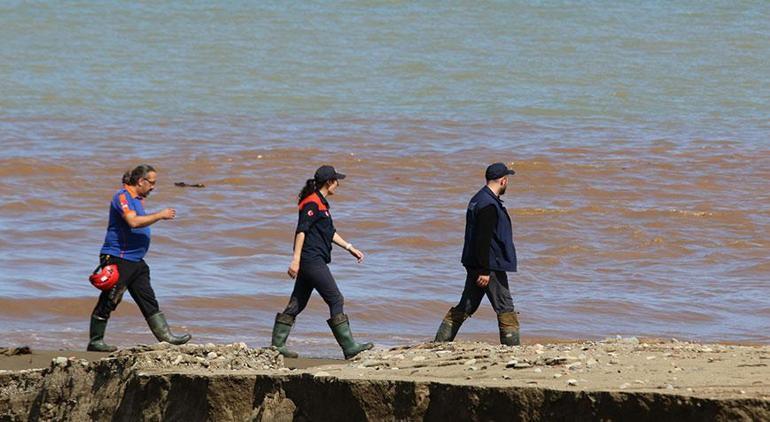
189	185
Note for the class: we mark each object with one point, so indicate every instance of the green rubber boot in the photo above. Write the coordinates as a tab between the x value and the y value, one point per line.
508	323
159	327
341	328
451	323
96	336
281	330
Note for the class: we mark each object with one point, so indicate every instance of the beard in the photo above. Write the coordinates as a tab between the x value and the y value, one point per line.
502	190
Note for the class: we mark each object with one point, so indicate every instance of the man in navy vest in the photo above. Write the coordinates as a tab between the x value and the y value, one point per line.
488	254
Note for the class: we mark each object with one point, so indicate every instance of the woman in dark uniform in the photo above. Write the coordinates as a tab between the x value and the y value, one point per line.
312	252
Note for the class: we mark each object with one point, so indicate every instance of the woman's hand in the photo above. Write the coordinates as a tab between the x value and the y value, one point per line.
293	268
357	254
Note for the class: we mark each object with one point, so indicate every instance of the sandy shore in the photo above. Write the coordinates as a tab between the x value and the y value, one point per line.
38	359
715	371
598	379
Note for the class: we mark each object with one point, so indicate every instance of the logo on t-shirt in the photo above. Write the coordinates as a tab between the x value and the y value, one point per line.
309	213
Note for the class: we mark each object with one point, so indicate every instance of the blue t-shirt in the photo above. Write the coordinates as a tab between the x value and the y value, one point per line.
121	240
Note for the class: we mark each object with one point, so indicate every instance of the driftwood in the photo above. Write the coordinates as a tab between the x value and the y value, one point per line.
189	185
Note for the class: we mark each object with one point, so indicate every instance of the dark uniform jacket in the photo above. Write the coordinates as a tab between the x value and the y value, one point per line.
501	254
316	222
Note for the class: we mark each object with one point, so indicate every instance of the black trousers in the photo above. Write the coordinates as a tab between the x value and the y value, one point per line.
314	276
134	277
497	291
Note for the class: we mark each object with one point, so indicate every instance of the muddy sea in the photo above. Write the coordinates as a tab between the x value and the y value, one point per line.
639	133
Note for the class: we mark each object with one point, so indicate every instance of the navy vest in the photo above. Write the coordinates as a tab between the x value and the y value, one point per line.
502	253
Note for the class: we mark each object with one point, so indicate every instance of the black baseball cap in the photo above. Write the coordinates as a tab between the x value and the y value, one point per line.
326	173
498	170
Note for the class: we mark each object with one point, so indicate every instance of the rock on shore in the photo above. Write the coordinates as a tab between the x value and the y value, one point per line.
617	379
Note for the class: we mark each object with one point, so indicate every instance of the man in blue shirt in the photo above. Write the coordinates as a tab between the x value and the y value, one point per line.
125	245
488	254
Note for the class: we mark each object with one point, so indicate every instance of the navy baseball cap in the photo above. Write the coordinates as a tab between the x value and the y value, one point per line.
326	173
498	170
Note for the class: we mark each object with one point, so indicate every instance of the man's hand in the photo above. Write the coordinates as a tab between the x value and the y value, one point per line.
482	281
168	214
293	268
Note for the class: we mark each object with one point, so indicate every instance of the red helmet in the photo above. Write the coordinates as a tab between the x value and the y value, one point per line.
105	278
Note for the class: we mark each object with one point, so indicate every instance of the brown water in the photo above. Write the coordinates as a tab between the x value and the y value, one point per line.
618	232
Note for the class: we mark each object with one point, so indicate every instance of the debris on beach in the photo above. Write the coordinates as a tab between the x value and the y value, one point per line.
15	351
236	356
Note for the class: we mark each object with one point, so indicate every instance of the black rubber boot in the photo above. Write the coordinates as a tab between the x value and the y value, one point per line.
508	323
96	336
281	329
159	327
451	323
341	328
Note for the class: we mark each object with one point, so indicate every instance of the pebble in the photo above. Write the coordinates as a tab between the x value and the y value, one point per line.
538	370
60	361
511	363
506	377
573	366
571	381
418	358
321	374
650	357
470	362
178	360
624	385
211	356
557	375
555	361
